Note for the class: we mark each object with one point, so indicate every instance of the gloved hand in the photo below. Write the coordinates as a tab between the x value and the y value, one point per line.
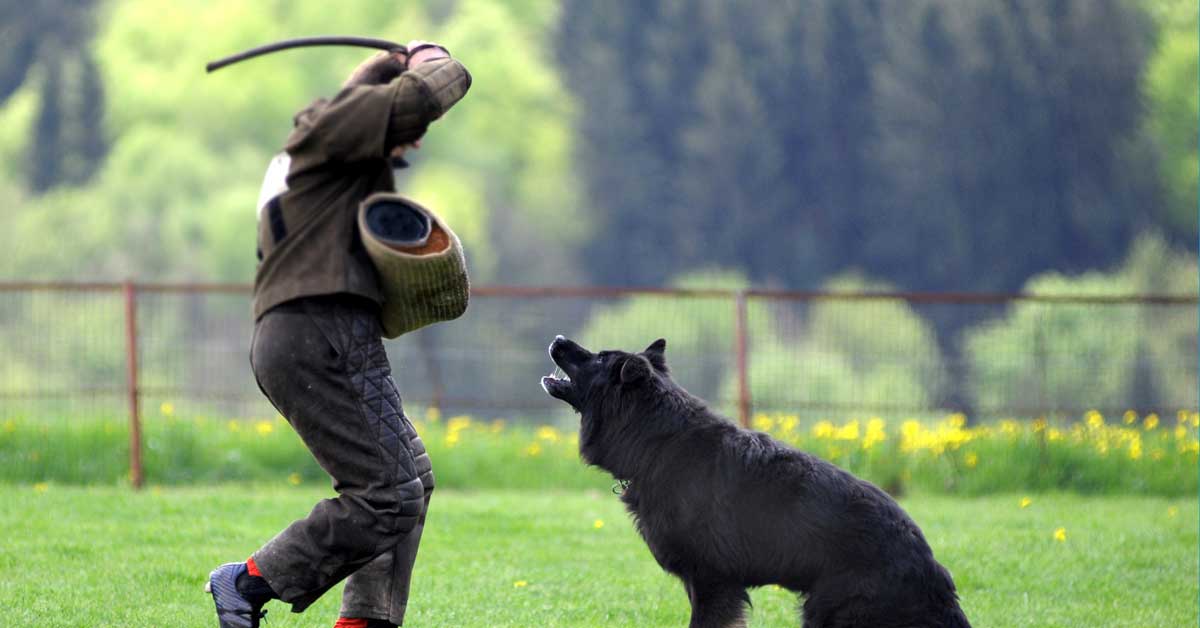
421	51
379	68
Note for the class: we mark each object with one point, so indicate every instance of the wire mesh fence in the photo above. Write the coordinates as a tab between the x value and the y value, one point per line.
67	348
112	351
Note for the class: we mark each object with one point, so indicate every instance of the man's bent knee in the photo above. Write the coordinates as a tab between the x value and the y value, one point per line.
411	495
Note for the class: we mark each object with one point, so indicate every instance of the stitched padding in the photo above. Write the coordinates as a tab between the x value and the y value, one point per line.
364	359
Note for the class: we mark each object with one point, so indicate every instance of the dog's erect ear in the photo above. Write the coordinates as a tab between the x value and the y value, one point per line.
635	369
655	353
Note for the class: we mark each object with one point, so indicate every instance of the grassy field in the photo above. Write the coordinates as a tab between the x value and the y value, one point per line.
100	556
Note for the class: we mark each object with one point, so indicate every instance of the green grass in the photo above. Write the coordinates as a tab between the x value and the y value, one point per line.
105	556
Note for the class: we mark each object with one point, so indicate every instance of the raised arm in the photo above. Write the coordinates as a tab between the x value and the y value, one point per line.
388	101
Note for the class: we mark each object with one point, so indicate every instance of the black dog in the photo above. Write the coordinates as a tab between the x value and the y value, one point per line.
725	509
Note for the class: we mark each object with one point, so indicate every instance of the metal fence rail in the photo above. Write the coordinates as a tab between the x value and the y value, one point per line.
117	349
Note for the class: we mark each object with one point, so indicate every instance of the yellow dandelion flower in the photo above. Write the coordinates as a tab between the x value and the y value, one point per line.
599	523
1025	502
1095	420
294	479
822	429
1060	535
1151	421
548	433
762	422
432	414
520	583
875	433
788	423
452	438
167	408
1130	417
234	426
264	427
41	487
458	423
533	449
1195	419
848	431
910	436
1039	424
971	460
1135	449
957	419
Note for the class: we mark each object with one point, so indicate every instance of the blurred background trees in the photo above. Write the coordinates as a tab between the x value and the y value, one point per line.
933	145
940	145
47	47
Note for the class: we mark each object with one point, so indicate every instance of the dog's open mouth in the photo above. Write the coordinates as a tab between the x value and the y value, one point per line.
556	383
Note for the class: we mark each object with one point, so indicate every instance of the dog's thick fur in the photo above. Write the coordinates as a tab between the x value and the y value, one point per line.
725	509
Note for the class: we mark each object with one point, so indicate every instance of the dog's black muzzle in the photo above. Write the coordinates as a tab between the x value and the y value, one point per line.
569	357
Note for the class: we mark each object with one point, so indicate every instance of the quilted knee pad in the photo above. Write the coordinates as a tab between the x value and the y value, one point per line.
424	466
412	504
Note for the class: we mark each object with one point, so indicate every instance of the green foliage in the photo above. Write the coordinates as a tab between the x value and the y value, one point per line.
1172	85
1171	334
1076	354
1138	455
700	330
175	197
844	361
44	47
1049	356
937	144
197	449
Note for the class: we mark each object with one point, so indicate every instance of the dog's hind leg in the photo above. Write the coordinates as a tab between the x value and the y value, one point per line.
717	605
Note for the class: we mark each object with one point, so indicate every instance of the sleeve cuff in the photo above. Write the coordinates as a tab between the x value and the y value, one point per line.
446	81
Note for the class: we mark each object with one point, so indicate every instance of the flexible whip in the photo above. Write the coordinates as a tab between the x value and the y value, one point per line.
302	42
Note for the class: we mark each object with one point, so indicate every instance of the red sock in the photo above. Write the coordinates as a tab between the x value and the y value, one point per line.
350	622
252	568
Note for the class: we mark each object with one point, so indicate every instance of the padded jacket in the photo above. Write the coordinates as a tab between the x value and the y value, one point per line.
337	155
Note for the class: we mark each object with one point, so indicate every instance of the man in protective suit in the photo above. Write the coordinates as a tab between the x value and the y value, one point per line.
318	355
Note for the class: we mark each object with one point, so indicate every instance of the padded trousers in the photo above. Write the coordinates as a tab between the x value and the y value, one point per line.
321	362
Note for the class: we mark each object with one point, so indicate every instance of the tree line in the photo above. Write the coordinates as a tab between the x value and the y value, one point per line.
935	144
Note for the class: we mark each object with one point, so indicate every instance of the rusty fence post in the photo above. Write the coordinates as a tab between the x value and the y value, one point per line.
741	347
131	381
